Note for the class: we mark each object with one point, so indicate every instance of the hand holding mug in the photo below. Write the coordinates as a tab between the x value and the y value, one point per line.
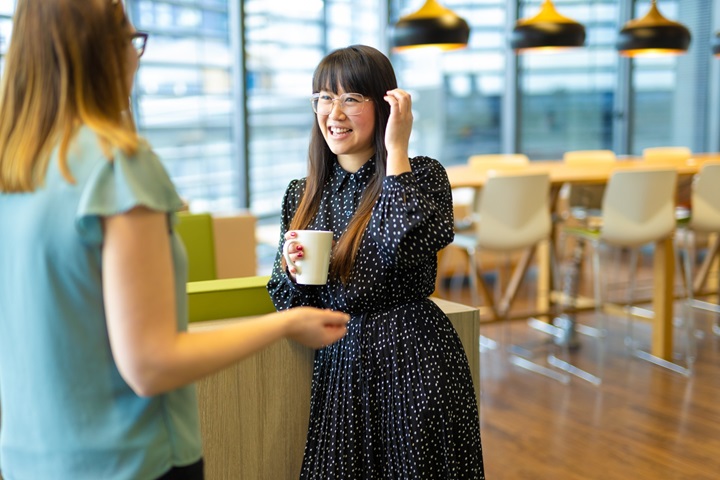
307	253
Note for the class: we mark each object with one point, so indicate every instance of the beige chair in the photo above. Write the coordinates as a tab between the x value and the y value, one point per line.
637	209
513	215
671	156
584	201
704	220
218	246
464	198
660	154
584	157
499	160
580	207
235	244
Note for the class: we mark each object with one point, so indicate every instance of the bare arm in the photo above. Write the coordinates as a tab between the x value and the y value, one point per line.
152	356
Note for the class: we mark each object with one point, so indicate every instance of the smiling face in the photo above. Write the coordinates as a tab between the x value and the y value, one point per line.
350	137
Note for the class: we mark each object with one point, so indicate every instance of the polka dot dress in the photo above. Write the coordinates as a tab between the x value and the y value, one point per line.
394	398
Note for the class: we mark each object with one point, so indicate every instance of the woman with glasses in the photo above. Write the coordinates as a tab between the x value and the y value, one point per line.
394	398
96	365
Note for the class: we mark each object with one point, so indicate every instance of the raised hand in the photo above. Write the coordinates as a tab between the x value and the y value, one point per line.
397	133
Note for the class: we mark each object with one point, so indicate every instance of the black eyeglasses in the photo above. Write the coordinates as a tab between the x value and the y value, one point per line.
139	40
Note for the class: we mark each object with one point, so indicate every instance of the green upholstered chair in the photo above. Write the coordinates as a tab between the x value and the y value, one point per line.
228	298
210	298
196	231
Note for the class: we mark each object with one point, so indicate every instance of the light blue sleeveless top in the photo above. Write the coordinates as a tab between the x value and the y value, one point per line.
65	411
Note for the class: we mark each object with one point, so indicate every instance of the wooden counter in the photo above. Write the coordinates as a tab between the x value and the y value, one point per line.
254	415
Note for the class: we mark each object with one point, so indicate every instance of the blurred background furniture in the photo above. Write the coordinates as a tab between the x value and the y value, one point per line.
662	154
465	212
579	206
512	214
637	209
668	156
464	198
583	201
704	221
662	295
218	246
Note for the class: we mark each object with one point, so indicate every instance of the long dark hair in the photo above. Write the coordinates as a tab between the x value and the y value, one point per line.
364	70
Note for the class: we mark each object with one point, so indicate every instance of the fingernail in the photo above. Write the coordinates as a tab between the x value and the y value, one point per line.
299	247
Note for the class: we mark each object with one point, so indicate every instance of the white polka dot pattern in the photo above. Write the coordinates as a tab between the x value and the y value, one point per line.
394	398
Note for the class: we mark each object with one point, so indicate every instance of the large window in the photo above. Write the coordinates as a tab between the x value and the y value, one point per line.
566	98
457	95
7	8
222	91
284	42
669	94
184	99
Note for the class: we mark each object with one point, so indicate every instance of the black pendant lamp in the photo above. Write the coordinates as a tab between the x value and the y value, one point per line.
653	34
432	25
716	45
546	31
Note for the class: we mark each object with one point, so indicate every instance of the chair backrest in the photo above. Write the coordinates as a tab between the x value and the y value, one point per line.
514	211
660	154
498	161
235	244
705	215
639	206
490	162
196	231
583	198
582	157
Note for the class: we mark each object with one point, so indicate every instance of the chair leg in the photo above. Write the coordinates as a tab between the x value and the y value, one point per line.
689	320
716	324
630	335
478	285
561	363
473	277
698	283
558	368
687	331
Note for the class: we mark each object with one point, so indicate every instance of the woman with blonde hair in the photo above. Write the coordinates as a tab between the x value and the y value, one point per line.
96	365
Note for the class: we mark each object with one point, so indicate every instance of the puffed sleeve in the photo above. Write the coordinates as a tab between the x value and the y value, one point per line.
285	293
119	185
413	218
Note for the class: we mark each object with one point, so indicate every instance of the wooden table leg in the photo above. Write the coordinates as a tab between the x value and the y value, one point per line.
663	299
544	279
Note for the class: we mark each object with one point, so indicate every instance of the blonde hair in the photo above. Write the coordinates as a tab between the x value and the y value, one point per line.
65	67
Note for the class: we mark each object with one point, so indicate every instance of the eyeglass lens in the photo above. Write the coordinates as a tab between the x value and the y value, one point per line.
139	39
350	103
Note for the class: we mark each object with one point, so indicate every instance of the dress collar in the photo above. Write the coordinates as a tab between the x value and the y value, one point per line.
340	176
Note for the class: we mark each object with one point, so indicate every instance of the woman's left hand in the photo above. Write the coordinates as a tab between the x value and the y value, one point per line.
397	133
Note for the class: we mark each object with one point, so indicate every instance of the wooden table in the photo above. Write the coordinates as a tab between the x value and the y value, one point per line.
664	267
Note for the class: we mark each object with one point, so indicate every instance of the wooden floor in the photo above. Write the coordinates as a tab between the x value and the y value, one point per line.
643	422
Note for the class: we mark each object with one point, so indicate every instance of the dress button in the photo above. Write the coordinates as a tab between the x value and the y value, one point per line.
348	213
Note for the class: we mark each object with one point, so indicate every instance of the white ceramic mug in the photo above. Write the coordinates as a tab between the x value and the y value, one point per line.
312	268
